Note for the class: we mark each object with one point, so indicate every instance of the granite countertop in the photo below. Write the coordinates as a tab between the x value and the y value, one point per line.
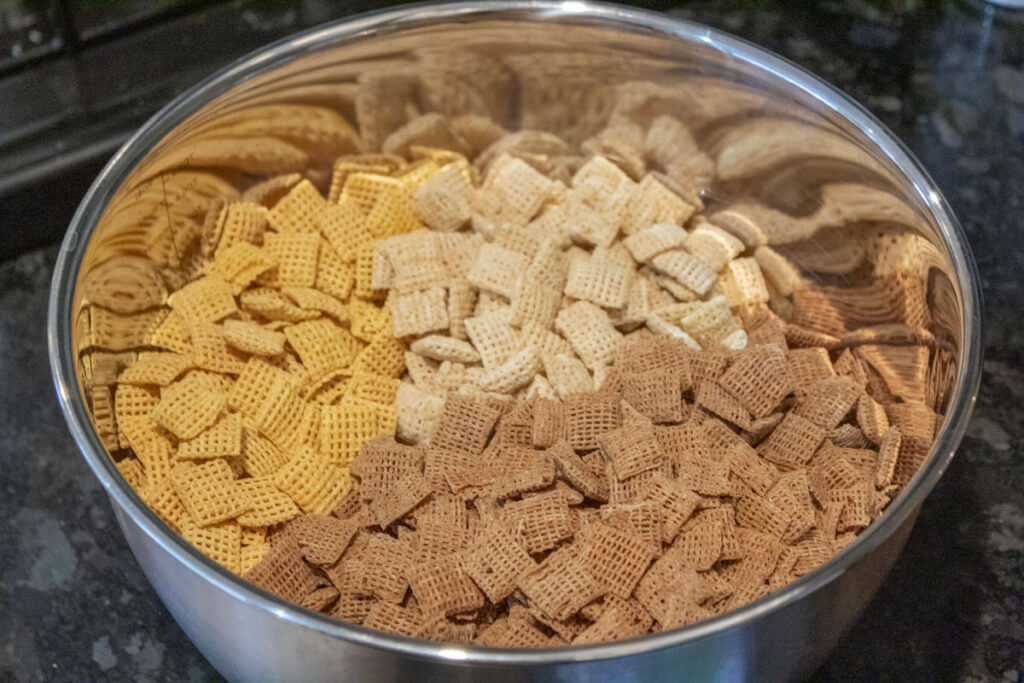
949	80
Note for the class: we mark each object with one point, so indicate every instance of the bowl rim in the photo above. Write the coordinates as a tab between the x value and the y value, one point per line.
85	220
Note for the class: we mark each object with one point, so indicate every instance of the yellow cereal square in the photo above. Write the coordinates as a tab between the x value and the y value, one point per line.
299	210
223	439
315	484
296	255
322	345
206	300
190	405
345	428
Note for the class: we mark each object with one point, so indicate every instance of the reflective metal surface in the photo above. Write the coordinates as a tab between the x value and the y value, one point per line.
573	69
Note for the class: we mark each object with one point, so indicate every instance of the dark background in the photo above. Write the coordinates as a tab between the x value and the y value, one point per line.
76	77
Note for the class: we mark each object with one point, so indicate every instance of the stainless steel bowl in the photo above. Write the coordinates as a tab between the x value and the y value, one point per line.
569	58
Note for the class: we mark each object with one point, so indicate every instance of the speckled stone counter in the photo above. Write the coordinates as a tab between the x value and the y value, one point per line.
74	606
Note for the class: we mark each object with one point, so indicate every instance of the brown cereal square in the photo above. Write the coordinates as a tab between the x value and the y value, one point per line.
655	393
443	587
632	450
590	415
497	559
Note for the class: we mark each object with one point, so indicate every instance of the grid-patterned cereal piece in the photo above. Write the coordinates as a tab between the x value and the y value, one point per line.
322	345
567	374
540	521
600	281
243	222
386	564
650	203
465	426
632	450
209	492
520	189
334	276
221	542
461	301
171	334
296	255
590	332
346	165
759	514
702	475
535	302
700	542
888	452
345	428
418	312
384	355
442	202
269	504
648	243
366	188
492	336
588	416
206	300
407	493
546	342
755	472
310	299
210	350
759	379
514	373
393	213
282	571
416	259
321	599
827	402
548	422
669	587
315	484
808	366
240	264
561	585
522	469
620	619
382	463
742	283
160	496
223	439
372	387
418	413
713	246
257	380
497	269
343	225
155	368
393	618
252	338
297	211
273	305
131	470
676	503
686	269
714	398
572	469
440	348
512	632
587	224
190	405
833	471
549	265
601	172
443	587
616	558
